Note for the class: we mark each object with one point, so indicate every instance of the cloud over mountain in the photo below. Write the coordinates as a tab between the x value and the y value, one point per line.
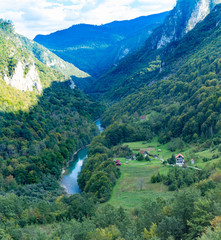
44	16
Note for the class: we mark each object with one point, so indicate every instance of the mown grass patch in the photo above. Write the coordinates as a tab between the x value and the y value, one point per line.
134	185
161	150
128	191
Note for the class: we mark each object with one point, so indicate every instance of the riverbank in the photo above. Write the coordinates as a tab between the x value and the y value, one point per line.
73	167
72	159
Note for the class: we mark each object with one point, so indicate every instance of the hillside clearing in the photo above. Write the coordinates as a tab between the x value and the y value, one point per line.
134	185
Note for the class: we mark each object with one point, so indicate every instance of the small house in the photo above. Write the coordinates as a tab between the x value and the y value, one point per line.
142	118
144	153
134	157
192	161
156	156
118	163
180	160
128	158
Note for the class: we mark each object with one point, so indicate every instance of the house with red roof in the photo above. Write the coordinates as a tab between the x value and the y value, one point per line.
142	118
144	153
180	160
118	163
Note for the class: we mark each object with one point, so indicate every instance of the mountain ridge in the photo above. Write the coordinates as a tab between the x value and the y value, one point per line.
51	60
184	98
22	76
147	63
182	19
100	46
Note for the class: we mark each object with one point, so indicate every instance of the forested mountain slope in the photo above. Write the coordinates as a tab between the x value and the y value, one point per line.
51	60
94	49
39	142
23	74
22	77
80	78
183	99
44	119
146	65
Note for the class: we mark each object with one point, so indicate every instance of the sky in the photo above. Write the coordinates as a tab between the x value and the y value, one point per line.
32	17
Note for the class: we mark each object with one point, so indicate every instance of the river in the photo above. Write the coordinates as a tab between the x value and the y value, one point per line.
69	179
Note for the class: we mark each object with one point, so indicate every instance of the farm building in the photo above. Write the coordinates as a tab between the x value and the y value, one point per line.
118	163
180	160
144	153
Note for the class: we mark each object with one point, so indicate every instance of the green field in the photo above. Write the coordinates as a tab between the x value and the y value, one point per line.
209	155
136	175
189	152
164	154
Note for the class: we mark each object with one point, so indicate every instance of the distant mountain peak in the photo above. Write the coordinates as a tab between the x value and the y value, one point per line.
94	49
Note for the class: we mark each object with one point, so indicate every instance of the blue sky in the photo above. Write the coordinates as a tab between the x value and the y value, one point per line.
32	17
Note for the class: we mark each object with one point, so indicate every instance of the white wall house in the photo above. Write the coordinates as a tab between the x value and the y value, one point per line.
180	160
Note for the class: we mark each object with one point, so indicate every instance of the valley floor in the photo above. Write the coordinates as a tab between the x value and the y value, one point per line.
134	185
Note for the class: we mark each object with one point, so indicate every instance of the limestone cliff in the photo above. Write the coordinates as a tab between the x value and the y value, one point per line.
18	66
181	20
51	60
22	81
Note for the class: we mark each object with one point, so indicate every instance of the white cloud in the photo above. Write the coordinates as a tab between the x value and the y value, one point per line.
33	17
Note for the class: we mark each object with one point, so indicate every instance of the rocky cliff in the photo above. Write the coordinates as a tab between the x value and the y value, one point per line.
28	66
181	20
22	81
51	60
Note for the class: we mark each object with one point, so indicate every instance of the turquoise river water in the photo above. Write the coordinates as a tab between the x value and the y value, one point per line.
69	179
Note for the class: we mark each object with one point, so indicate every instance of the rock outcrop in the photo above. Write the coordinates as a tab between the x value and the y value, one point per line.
180	21
22	81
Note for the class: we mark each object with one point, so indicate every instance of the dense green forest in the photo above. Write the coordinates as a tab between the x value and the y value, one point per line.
189	215
179	94
39	129
148	66
187	103
41	141
178	178
99	173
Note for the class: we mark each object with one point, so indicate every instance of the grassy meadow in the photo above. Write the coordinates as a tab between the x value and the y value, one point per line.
134	185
